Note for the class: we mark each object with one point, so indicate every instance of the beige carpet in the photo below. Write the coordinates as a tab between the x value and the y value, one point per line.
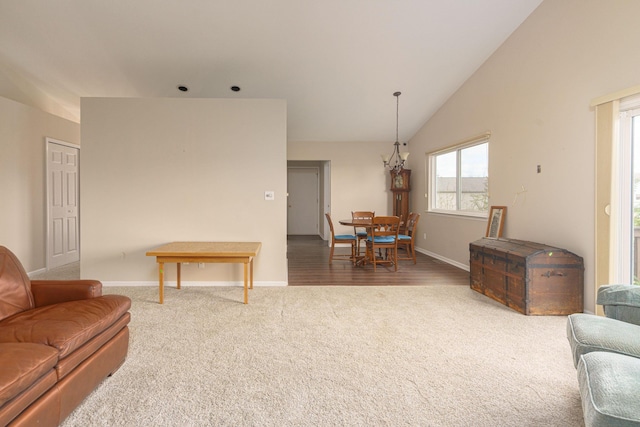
336	356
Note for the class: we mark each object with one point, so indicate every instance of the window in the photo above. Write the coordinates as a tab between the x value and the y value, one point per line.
459	178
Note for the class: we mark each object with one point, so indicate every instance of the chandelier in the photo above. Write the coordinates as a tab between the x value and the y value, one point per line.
396	160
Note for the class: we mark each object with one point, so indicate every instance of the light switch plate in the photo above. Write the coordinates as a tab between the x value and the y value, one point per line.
269	195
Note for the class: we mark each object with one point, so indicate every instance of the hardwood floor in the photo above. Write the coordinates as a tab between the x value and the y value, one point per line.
309	266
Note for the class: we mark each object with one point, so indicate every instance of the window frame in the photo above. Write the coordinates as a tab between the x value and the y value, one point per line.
431	178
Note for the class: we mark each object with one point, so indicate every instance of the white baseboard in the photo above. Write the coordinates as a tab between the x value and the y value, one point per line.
443	259
185	284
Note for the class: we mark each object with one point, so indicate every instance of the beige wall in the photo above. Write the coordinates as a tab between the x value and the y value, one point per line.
533	94
22	177
358	178
161	170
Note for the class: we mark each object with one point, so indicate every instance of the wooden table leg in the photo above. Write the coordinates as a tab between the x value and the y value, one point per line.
179	269
161	281
246	287
251	273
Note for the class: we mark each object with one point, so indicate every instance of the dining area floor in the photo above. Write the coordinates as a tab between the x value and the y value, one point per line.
308	258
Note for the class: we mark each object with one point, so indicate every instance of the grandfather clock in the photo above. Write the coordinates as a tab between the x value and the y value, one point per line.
401	186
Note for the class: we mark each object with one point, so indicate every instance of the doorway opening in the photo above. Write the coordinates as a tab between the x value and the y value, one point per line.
308	197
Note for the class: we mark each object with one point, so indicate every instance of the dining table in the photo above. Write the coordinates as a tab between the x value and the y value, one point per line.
358	222
361	260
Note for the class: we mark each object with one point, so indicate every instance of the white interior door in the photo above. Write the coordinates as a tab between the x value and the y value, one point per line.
303	201
63	214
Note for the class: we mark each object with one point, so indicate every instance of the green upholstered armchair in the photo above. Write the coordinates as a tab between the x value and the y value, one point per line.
606	353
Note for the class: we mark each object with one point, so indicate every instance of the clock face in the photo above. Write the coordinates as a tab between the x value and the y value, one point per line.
400	180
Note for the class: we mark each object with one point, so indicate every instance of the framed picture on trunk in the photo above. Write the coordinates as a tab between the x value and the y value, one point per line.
495	225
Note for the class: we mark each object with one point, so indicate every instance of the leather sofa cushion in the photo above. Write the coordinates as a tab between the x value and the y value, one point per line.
21	365
15	284
65	326
68	364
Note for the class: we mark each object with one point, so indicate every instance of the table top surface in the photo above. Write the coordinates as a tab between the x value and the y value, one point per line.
213	249
355	222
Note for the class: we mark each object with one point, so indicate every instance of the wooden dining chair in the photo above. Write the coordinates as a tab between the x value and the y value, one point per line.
361	232
383	234
408	240
341	238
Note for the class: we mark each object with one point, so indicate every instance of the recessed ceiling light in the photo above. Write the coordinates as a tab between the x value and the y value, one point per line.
182	88
235	88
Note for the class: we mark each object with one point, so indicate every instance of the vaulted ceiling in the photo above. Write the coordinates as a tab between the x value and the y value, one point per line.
337	63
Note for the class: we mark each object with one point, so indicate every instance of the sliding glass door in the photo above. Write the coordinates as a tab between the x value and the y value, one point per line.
629	191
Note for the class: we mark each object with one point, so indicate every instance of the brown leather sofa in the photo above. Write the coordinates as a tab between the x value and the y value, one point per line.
58	341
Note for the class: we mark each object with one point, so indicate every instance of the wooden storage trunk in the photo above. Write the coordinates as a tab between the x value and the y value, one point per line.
529	277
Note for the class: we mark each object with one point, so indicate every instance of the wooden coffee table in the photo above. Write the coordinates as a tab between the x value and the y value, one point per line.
197	252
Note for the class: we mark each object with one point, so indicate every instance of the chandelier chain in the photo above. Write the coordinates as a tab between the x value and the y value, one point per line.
397	114
396	160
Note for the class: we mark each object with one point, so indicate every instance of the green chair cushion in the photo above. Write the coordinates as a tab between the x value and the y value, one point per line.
609	387
621	302
587	333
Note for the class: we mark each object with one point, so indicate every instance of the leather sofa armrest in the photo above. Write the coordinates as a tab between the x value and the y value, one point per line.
47	292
